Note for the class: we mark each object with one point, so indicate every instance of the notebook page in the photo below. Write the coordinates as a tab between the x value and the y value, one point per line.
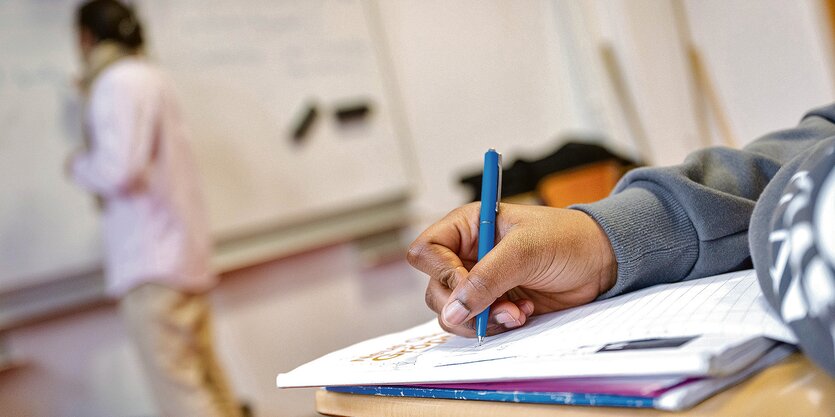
700	318
728	304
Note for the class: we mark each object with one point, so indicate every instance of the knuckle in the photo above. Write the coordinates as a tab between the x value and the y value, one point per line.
458	210
464	211
474	206
481	285
415	253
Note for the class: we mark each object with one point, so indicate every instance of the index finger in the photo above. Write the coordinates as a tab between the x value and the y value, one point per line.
439	250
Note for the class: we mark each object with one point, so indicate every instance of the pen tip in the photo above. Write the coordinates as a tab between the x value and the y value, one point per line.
480	340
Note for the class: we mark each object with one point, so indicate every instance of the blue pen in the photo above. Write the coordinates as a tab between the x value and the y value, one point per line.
491	188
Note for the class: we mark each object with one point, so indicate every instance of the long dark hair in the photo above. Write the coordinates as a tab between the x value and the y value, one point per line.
111	20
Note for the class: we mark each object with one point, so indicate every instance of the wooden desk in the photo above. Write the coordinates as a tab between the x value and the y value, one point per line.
792	388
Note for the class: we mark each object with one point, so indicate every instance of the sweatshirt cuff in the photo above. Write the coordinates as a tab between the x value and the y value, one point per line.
653	238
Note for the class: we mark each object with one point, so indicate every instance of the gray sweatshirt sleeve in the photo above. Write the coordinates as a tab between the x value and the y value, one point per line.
793	249
669	224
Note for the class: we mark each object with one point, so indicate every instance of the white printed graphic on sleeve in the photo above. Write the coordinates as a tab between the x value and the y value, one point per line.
825	218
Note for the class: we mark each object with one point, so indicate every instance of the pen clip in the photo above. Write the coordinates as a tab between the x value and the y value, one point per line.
499	183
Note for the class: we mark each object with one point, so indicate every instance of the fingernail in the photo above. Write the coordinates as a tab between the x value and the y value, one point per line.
504	318
455	313
527	308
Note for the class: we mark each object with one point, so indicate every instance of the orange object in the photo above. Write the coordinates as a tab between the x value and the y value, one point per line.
584	184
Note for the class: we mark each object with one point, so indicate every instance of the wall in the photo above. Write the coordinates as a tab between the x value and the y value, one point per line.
769	62
769	67
497	82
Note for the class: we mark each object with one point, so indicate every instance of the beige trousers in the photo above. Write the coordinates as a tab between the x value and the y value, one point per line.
172	331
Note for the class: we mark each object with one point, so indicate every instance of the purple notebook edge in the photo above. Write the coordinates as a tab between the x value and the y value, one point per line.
644	386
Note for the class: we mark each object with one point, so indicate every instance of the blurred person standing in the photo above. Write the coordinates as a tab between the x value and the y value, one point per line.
138	164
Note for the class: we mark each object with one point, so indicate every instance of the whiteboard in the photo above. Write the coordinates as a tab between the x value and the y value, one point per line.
46	223
244	71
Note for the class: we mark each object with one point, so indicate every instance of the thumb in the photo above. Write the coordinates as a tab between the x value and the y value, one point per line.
500	270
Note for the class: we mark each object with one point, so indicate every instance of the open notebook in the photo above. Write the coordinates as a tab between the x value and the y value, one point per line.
707	327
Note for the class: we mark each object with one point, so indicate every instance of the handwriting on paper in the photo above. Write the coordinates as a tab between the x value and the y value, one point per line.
413	345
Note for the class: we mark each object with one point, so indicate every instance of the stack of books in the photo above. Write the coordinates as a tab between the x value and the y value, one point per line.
667	347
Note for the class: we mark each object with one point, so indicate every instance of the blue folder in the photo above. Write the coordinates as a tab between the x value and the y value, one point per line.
603	400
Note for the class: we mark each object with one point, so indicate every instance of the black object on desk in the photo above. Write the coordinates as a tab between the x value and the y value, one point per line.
523	175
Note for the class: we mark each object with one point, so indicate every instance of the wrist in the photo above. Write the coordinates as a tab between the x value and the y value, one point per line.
651	235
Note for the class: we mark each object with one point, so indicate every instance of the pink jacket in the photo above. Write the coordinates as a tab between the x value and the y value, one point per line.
139	162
